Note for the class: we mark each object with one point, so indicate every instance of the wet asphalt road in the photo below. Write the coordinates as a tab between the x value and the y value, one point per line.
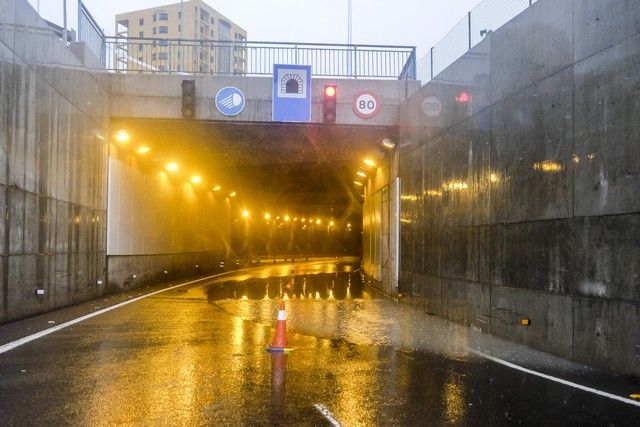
195	355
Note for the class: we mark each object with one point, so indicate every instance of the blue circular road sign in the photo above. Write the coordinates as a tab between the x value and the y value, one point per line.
230	101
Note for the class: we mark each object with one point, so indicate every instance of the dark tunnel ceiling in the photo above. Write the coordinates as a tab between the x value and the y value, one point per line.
296	166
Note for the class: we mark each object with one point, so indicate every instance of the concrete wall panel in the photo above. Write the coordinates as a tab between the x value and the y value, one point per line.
52	168
607	130
544	218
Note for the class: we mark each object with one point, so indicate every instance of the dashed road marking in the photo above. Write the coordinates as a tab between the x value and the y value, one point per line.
555	379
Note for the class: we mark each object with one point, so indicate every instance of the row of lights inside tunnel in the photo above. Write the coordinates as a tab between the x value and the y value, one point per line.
369	165
123	138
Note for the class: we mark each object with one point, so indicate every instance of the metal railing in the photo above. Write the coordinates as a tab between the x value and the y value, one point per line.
485	18
90	33
146	55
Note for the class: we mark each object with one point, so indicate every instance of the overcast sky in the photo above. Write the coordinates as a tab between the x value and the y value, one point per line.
418	23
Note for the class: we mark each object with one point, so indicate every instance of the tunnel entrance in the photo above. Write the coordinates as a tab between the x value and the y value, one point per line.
247	189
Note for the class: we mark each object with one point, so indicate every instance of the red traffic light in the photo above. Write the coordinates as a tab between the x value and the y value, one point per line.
330	91
463	97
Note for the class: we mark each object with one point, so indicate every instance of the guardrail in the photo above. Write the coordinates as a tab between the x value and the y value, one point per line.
146	55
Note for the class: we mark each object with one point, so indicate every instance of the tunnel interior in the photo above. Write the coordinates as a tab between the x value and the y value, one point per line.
276	188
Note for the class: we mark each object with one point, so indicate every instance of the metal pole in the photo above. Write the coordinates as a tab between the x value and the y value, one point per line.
469	21
431	53
38	7
64	21
181	65
349	24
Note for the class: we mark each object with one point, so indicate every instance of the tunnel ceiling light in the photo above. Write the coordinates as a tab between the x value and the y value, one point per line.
122	136
387	143
143	149
245	213
303	220
318	222
358	183
217	188
196	179
361	174
233	194
331	224
348	225
286	218
267	216
171	167
369	162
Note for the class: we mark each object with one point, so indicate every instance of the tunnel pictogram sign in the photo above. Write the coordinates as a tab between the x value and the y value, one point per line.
291	93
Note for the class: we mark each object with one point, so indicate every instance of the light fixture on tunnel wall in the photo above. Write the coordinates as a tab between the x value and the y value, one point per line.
369	162
388	143
245	213
196	179
143	149
362	174
188	99
358	183
267	216
216	188
233	194
122	136
171	167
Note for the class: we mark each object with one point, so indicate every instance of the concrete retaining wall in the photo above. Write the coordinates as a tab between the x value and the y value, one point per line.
53	158
523	202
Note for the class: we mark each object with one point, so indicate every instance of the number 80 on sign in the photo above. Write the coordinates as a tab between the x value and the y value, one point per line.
366	104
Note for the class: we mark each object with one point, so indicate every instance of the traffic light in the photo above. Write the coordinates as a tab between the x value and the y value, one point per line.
329	103
188	99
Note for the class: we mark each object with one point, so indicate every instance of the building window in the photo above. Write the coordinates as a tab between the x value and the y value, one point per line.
140	46
212	20
179	15
212	33
155	30
139	58
163	30
141	34
179	28
162	68
163	16
141	22
163	56
155	17
153	57
224	31
164	43
204	15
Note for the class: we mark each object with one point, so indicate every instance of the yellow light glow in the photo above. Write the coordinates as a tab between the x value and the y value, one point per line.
362	174
494	177
331	224
286	218
388	143
171	167
267	216
143	150
233	194
295	219
318	221
358	183
548	166
409	197
433	193
455	185
196	179
122	136
217	188
348	225
245	214
303	220
369	162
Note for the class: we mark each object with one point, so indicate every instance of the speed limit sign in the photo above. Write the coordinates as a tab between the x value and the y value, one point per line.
366	104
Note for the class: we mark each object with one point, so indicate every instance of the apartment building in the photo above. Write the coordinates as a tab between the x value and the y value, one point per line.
188	36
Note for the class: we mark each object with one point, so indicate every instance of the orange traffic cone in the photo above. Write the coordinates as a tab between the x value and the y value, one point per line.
280	338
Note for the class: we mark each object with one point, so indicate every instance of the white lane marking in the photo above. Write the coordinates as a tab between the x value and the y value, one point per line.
327	415
558	380
17	343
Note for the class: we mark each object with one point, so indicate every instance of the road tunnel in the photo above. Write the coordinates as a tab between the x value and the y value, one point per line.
189	196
